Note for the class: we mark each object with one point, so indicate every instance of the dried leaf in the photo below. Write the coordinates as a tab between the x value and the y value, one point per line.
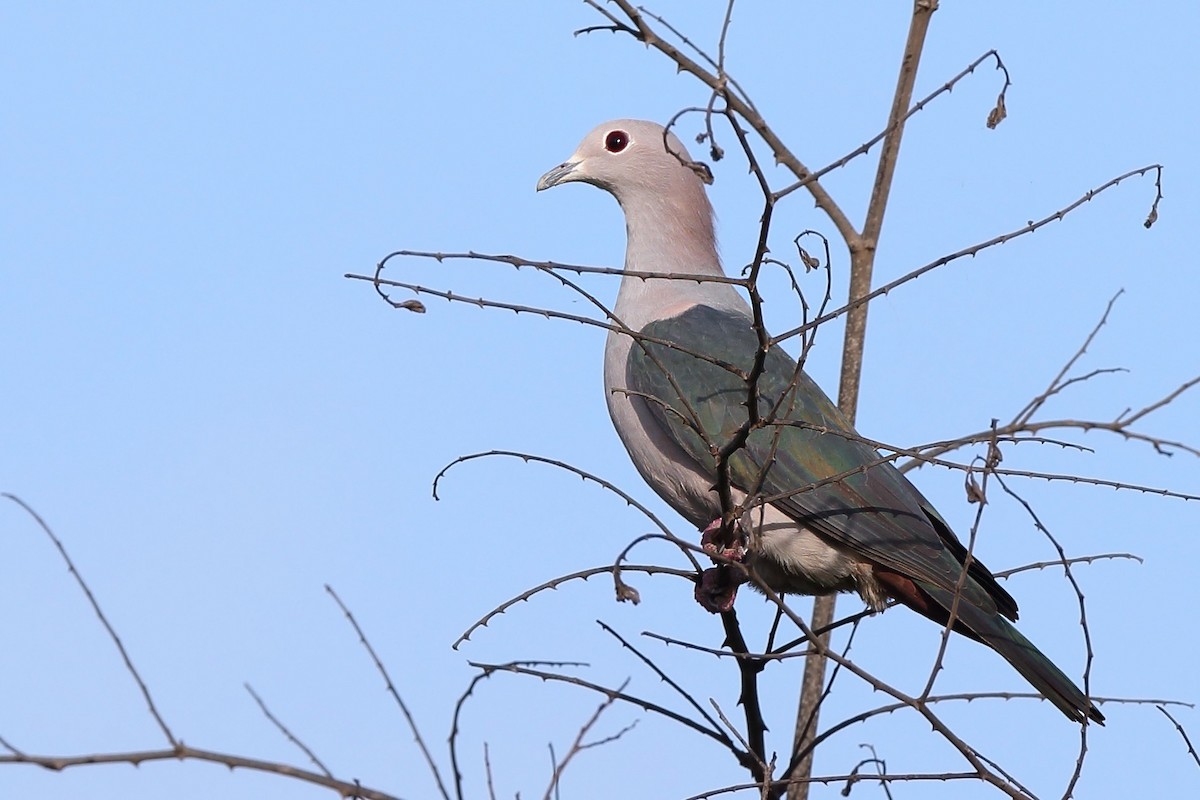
702	171
625	592
997	114
974	491
994	457
810	262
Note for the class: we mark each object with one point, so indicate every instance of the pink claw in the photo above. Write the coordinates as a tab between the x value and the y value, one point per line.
712	544
717	588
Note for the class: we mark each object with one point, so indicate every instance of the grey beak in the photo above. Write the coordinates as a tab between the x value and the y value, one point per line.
557	175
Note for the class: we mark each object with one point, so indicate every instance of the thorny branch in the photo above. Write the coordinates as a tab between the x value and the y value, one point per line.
553	268
862	259
347	789
95	604
1183	734
730	100
975	249
291	737
392	690
178	750
579	745
880	771
1090	654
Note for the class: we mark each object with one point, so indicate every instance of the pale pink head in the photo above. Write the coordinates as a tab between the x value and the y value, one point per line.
668	217
628	155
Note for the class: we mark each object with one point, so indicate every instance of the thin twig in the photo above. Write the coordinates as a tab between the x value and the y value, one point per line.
864	148
880	771
521	668
391	688
975	249
1083	625
1058	383
663	676
553	462
487	768
1187	741
112	633
579	745
287	733
183	752
740	105
554	583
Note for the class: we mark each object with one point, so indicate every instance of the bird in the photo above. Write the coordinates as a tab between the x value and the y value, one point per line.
822	512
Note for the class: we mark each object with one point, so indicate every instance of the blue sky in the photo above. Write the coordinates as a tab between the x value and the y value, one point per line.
217	423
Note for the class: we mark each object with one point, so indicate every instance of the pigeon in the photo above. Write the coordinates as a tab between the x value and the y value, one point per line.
817	509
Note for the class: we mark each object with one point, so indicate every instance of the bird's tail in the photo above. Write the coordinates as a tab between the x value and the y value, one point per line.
994	631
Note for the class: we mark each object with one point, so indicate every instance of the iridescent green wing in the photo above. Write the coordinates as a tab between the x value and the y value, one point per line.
871	509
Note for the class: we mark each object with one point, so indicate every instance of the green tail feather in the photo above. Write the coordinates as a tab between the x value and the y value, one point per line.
994	631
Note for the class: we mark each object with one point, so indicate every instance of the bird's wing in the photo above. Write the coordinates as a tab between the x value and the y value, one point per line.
871	509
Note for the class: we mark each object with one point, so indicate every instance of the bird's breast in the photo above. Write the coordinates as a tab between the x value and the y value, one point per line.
662	463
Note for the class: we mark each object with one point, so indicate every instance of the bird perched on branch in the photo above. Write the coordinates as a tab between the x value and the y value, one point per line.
818	510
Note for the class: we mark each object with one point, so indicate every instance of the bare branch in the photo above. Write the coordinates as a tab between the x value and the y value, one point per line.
995	777
554	583
910	777
586	476
287	733
800	766
766	785
461	704
112	633
748	696
10	747
866	146
548	267
661	675
184	752
1083	626
880	771
969	697
521	669
641	30
1128	419
1058	383
487	768
391	689
1187	741
1007	573
579	745
973	250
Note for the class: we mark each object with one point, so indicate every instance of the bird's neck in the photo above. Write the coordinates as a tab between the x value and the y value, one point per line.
670	233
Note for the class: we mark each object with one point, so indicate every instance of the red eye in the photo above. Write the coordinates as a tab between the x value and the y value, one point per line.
616	141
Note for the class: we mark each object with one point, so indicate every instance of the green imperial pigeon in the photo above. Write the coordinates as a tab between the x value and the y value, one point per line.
678	392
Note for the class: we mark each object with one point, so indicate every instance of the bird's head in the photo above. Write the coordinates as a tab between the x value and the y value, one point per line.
628	158
668	218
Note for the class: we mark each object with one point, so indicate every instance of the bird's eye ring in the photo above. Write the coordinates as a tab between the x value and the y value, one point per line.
616	141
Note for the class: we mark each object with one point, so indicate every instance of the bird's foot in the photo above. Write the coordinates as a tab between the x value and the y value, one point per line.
712	543
717	588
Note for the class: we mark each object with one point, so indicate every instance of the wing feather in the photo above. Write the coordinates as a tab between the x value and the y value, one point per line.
873	510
